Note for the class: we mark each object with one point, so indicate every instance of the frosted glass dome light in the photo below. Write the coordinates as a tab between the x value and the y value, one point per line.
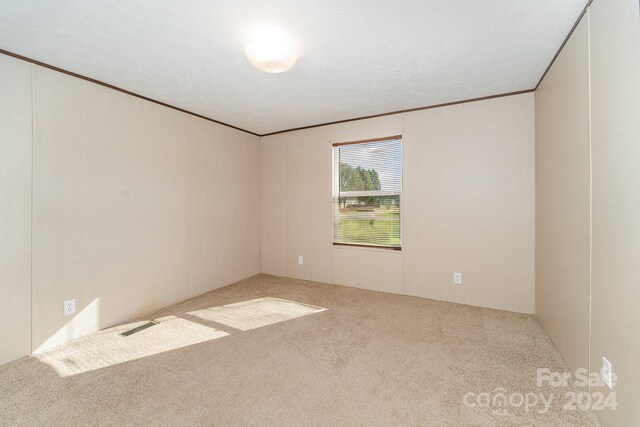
270	50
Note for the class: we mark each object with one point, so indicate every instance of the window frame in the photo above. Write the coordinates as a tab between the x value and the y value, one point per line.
335	185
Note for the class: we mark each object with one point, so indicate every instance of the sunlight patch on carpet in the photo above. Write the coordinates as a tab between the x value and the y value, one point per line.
256	313
108	347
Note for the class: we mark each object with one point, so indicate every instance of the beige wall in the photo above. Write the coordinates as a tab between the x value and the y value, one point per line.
135	206
223	220
597	70
563	201
109	213
309	204
15	209
273	198
467	205
615	139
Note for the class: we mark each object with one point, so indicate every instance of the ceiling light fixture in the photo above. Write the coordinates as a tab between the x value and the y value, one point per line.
270	49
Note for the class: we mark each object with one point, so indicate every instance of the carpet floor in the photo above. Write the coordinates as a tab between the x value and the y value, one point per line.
370	359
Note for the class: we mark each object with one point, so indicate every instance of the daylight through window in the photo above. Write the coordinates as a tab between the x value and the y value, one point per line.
367	191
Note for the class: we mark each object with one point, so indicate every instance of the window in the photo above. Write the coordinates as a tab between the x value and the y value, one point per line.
367	188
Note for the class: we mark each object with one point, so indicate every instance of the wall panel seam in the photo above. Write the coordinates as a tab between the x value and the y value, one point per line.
186	209
403	217
33	136
286	144
588	15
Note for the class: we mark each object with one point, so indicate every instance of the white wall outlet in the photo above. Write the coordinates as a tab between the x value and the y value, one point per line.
457	278
606	372
69	307
300	260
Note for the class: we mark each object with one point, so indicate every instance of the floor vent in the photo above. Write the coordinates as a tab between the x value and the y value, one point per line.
138	329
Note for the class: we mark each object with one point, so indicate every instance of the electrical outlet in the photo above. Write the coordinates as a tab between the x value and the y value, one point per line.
457	278
607	374
300	260
69	307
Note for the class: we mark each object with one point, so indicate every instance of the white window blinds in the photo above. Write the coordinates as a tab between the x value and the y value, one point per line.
367	191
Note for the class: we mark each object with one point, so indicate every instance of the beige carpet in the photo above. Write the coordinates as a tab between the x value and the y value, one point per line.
370	359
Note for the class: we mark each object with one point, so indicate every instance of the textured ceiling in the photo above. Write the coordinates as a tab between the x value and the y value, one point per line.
358	57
